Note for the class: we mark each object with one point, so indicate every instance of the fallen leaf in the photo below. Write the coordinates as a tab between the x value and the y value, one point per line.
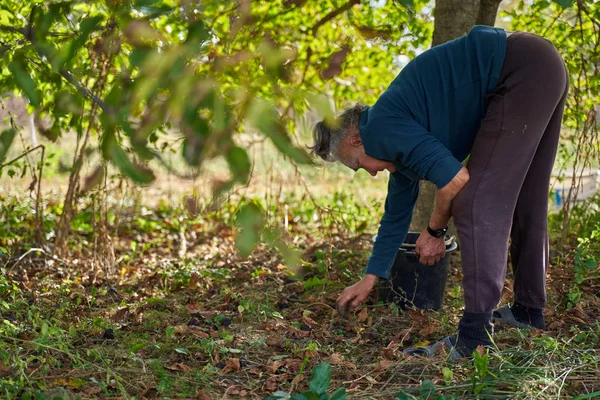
384	365
274	340
402	336
232	364
276	365
293	364
309	320
555	325
121	314
193	280
363	315
202	395
180	367
92	389
336	359
190	330
234	390
296	381
578	312
4	369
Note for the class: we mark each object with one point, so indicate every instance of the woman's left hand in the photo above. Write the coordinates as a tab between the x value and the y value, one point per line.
430	249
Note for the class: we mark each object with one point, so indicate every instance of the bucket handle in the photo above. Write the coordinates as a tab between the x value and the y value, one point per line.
451	241
447	242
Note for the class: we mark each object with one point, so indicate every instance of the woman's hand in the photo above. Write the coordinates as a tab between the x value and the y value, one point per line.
430	249
353	295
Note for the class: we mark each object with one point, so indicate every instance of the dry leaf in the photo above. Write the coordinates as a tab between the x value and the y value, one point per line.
363	315
555	325
193	280
233	363
180	367
4	369
309	320
401	336
190	330
121	314
276	365
274	340
336	359
234	390
296	381
202	395
293	364
384	365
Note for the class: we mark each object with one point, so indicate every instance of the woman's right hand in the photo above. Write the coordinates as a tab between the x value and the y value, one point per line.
353	295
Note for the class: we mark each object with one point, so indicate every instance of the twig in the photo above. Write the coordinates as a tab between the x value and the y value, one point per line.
332	15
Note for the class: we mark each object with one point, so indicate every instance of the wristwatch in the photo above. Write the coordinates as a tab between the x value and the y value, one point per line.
437	233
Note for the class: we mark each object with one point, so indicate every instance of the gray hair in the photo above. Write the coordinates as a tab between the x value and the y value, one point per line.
328	138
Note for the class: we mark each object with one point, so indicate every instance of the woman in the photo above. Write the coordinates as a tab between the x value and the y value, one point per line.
498	98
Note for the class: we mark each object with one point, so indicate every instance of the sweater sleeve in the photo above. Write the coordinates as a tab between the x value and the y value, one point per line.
399	204
412	145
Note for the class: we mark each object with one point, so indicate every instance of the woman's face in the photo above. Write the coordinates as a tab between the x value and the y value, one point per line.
352	154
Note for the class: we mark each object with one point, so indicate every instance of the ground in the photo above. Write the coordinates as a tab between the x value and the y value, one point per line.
184	316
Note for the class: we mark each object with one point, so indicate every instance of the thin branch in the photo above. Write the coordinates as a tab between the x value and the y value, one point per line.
333	14
86	92
586	11
12	29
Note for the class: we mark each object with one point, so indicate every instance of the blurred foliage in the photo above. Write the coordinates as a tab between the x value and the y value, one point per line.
199	70
142	75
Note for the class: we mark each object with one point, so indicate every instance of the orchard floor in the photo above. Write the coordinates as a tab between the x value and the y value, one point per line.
182	316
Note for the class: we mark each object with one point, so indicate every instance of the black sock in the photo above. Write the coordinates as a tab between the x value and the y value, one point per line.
474	329
528	315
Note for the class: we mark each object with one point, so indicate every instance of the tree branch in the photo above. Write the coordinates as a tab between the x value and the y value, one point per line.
333	14
86	92
12	29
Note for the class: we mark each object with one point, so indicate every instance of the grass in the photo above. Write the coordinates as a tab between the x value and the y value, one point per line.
206	323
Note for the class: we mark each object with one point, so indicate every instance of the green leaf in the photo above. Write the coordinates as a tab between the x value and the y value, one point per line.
67	53
152	8
427	389
6	139
25	82
308	395
136	347
564	3
447	374
406	3
113	152
321	376
264	117
197	32
239	163
182	350
405	396
251	220
339	394
323	105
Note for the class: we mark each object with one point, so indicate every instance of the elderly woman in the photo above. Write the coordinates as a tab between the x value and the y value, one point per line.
496	97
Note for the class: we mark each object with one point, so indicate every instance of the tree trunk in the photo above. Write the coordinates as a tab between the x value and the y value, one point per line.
453	18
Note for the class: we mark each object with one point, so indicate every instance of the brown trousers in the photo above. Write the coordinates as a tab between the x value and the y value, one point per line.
510	166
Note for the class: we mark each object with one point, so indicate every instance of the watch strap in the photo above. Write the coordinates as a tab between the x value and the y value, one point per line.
437	233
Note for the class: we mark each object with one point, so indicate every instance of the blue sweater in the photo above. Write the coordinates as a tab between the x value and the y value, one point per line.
425	123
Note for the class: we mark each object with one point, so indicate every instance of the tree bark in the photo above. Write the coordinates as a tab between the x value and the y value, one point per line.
453	18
